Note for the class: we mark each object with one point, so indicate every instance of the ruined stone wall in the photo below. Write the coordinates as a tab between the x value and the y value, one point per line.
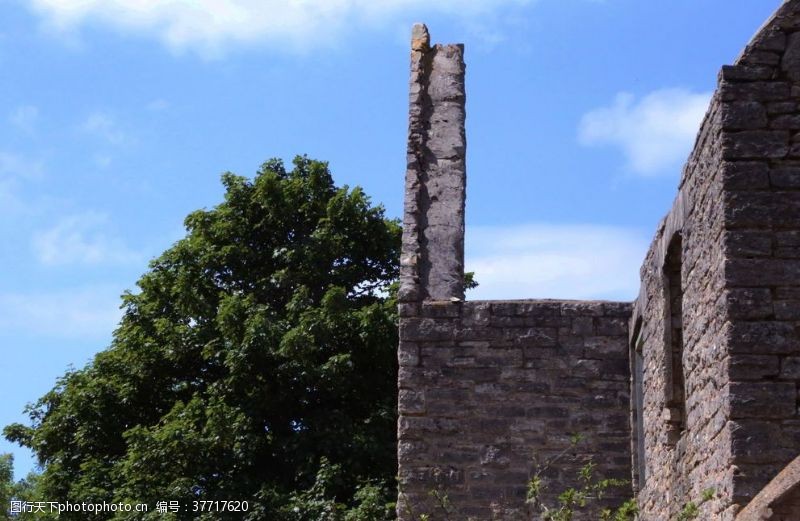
712	341
761	127
681	462
486	387
432	260
738	216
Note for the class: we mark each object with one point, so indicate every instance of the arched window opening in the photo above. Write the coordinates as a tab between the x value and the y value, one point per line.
673	329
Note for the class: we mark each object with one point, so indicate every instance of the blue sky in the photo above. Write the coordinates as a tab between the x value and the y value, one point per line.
117	118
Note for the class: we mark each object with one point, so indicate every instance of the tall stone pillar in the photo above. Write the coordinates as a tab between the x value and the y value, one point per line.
432	261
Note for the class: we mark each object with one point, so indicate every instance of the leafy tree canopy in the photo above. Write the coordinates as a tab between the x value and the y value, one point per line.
256	362
19	491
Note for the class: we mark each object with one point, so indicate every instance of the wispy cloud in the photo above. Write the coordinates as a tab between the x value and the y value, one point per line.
555	261
19	166
103	126
25	118
90	313
82	239
655	132
15	170
211	25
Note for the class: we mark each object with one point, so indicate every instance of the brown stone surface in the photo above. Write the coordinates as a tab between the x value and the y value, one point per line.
486	387
709	351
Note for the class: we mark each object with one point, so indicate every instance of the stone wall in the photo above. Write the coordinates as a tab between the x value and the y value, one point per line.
737	214
711	346
486	387
432	260
761	98
682	461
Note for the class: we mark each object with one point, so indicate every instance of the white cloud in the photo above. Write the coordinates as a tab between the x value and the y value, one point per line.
210	25
16	166
82	239
25	118
103	126
16	169
555	261
90	313
655	132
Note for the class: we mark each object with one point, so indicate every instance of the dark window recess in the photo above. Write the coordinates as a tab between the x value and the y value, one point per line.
673	285
638	408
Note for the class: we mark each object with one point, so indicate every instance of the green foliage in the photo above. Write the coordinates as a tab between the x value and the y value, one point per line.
691	509
6	483
576	499
319	503
256	362
571	501
469	281
23	490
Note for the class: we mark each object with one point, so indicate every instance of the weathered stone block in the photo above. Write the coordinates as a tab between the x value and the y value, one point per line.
753	367
790	367
782	107
785	177
411	402
787	309
755	441
761	338
744	115
749	303
605	347
786	122
761	58
612	326
408	354
747	243
745	175
746	73
762	399
765	91
756	144
761	272
582	326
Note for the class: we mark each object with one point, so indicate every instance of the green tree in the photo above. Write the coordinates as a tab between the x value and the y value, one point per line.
258	352
6	484
23	490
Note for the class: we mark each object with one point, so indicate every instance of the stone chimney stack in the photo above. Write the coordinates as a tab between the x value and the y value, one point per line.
432	260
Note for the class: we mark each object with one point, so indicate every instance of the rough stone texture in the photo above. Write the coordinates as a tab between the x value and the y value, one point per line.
432	264
681	462
486	387
738	214
711	346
